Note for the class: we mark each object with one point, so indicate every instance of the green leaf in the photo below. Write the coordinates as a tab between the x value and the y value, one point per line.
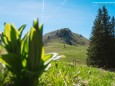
24	49
36	50
24	63
12	61
47	57
36	24
21	29
24	45
32	50
10	38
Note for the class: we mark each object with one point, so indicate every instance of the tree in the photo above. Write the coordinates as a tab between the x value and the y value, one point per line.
113	26
0	38
113	41
101	48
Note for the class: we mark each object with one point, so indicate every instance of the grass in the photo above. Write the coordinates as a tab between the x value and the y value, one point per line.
79	75
0	49
72	53
72	70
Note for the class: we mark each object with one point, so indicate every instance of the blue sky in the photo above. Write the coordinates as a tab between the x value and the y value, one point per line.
78	15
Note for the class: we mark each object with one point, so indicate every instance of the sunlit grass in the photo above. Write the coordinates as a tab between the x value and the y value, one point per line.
72	53
73	68
79	75
1	48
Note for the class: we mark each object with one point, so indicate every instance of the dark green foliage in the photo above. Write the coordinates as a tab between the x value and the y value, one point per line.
0	38
102	41
25	57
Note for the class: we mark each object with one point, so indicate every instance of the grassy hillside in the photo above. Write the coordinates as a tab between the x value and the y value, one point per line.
72	53
72	70
0	49
79	75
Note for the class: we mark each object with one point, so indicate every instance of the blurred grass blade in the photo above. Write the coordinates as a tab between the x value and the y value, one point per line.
47	57
49	65
50	58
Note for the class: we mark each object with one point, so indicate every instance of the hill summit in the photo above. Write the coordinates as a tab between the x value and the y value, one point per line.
66	36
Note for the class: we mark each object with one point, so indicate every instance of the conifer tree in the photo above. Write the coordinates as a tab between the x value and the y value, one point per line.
113	26
95	44
0	39
113	41
101	49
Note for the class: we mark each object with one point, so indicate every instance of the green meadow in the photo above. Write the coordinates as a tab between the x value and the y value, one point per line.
71	53
72	69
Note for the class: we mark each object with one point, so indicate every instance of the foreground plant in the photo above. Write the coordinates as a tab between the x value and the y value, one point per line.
25	57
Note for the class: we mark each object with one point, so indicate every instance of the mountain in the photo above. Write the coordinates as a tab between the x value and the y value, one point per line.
66	36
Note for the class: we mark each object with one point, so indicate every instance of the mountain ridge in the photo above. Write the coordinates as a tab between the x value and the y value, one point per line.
65	36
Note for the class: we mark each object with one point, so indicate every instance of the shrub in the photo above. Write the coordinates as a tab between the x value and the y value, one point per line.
25	57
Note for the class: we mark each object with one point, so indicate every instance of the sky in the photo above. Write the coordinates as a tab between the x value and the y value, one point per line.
77	15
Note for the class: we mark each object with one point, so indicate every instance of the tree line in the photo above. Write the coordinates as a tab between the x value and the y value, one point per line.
101	51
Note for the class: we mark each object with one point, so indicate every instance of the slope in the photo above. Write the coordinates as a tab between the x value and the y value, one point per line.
65	36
